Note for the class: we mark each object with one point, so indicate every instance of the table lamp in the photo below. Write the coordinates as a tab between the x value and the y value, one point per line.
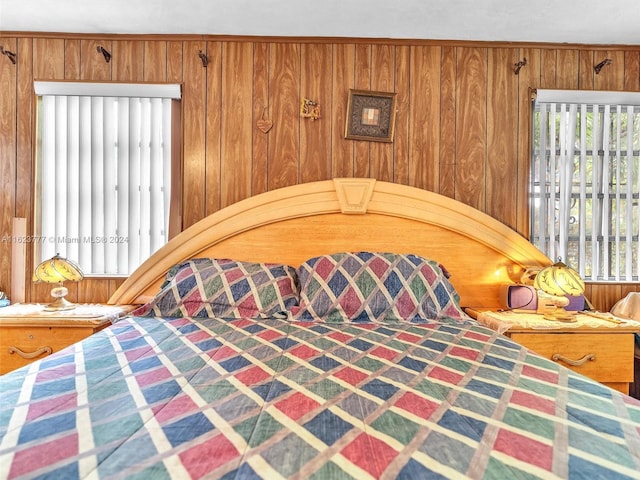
58	270
557	281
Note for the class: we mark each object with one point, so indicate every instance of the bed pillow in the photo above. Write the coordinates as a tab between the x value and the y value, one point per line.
374	287
223	288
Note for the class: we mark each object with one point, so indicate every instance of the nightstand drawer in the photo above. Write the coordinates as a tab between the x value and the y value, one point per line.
610	352
20	346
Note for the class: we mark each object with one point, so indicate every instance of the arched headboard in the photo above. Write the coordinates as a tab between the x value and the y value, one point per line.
292	224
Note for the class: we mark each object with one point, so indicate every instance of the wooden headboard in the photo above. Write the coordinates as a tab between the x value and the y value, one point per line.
292	224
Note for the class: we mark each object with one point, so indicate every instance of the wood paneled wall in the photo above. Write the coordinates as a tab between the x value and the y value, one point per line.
462	125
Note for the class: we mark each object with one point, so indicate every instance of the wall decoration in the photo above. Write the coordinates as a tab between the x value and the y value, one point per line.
370	116
309	109
264	124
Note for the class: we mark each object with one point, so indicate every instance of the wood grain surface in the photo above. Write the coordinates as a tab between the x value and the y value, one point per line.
462	120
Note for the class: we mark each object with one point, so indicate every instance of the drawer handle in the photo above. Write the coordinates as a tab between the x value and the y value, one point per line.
576	363
37	353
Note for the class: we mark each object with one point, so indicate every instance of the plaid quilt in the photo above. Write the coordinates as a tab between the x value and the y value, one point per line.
246	399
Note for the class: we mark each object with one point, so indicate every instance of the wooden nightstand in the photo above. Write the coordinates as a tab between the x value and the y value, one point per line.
28	332
597	348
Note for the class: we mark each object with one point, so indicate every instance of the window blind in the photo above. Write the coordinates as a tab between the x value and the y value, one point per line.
105	176
586	184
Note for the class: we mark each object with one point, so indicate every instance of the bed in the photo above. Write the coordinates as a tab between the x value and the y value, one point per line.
317	332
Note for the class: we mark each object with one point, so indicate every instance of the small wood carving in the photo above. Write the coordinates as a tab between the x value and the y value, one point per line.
309	109
264	124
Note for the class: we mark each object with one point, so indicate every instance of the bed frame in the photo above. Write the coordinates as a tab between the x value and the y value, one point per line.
292	224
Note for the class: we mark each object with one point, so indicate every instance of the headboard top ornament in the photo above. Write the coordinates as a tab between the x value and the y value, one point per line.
354	193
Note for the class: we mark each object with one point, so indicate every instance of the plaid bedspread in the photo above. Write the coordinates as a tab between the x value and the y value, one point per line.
243	399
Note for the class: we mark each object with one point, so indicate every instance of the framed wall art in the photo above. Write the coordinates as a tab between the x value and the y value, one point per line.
370	116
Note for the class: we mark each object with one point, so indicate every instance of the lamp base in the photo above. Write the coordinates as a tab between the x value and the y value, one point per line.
551	307
560	315
58	304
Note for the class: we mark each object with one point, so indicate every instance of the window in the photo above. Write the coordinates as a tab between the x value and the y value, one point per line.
585	181
105	163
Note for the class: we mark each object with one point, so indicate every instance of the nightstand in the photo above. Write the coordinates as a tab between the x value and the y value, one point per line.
597	348
28	332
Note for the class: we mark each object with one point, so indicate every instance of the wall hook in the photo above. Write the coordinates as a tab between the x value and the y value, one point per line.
10	55
598	67
204	58
519	65
104	52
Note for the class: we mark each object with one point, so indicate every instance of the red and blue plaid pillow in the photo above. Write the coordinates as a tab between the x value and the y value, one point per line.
223	288
374	287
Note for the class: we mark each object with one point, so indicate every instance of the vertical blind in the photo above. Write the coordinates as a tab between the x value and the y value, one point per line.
585	181
105	176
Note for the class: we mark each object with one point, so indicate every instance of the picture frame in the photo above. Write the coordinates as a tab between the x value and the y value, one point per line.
370	116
